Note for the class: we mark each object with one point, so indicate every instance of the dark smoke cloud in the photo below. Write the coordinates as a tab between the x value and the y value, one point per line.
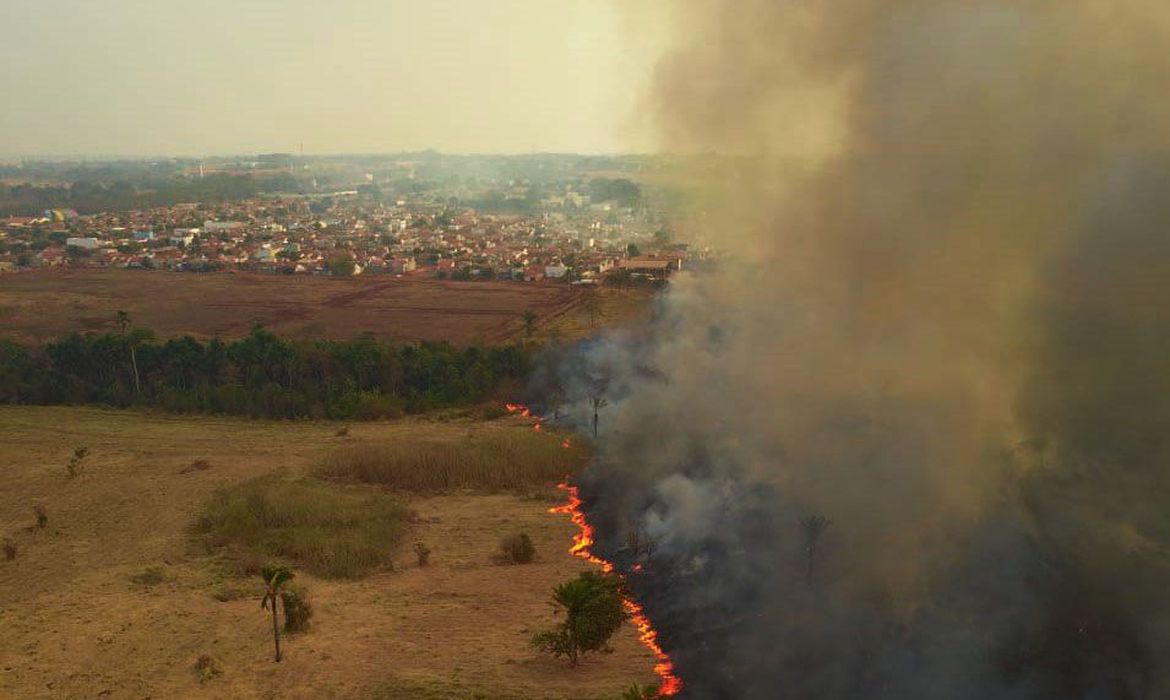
945	325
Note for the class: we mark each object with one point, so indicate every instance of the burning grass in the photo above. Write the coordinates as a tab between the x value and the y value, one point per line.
328	530
498	460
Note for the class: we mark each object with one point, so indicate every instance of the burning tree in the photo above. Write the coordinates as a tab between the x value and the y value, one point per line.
813	526
593	609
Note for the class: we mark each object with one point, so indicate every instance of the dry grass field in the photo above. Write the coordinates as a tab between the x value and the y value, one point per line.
48	303
115	597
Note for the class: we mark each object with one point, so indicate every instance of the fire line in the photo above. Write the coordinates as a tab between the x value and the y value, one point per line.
669	684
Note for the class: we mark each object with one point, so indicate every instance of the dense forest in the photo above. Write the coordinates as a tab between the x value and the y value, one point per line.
261	375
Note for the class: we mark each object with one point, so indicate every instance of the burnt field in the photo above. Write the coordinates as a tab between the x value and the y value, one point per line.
46	304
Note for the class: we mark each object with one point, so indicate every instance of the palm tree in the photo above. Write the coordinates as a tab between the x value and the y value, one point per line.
275	577
814	526
599	402
123	319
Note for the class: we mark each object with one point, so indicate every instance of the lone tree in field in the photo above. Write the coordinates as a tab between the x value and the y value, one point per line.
275	578
529	323
598	402
592	604
813	526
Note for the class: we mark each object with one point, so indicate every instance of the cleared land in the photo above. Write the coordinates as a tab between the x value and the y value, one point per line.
114	597
45	304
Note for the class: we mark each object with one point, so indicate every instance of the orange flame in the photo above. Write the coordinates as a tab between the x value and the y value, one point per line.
518	408
669	684
565	443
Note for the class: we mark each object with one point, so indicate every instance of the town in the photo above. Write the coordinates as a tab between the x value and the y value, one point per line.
577	229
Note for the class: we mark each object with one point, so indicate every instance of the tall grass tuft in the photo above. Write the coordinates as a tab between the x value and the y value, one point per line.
328	530
497	460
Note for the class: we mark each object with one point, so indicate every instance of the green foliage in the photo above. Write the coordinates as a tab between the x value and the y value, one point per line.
640	692
260	375
494	460
593	610
342	267
517	549
297	608
331	531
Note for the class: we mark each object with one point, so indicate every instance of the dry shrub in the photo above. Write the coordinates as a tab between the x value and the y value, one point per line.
41	515
517	549
206	668
150	576
298	609
494	460
423	552
331	531
342	431
9	549
199	465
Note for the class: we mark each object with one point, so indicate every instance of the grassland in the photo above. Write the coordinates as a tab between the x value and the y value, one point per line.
487	460
115	597
39	305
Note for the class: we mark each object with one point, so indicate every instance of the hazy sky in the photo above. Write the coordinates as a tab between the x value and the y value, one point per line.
139	77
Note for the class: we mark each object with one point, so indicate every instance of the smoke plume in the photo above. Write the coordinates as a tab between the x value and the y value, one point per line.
943	325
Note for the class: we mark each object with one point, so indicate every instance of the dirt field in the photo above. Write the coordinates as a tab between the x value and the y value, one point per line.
48	303
76	626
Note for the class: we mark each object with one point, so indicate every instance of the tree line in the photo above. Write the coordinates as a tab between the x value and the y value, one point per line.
260	375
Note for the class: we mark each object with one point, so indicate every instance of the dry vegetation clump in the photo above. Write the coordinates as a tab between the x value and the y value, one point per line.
298	609
206	668
328	530
9	549
199	465
497	460
517	549
423	552
150	576
41	515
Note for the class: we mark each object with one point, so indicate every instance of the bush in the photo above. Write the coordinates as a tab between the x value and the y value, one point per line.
149	576
423	552
494	460
328	530
9	549
206	668
517	549
593	609
298	609
42	516
75	461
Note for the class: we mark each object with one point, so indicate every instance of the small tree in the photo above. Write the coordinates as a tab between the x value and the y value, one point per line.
275	578
813	526
593	308
9	549
593	609
41	516
529	323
